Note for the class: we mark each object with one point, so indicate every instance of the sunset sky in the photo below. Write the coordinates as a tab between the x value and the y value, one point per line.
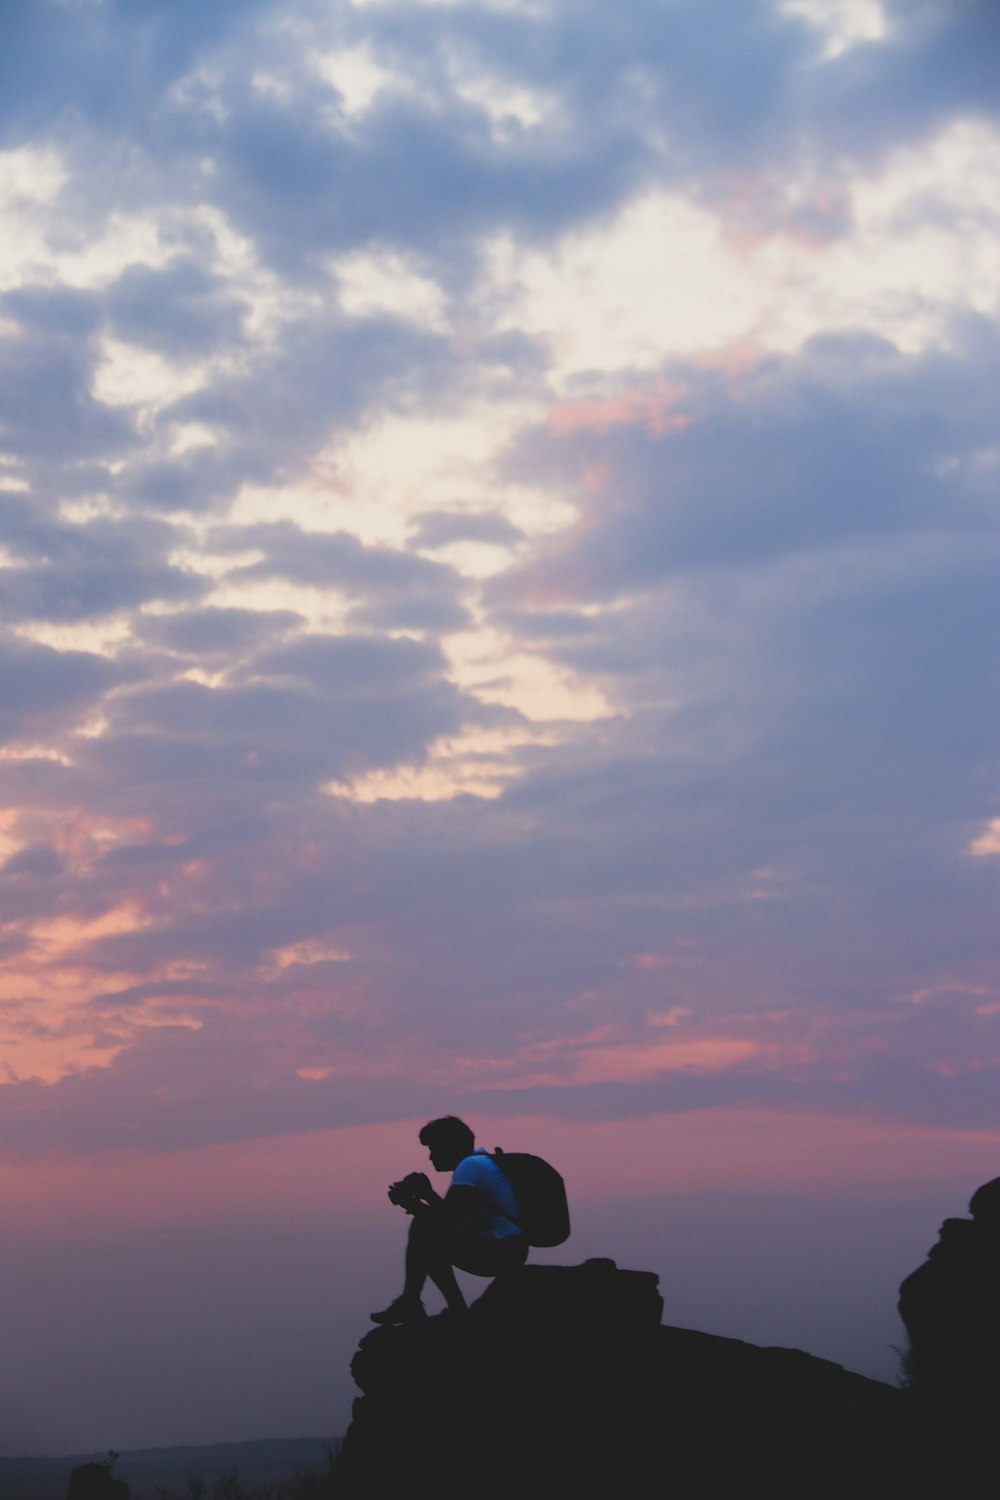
499	585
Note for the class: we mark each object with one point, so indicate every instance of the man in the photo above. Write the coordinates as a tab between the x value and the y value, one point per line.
474	1226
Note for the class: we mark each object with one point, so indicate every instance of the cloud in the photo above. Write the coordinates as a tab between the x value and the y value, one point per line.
36	860
392	588
213	631
47	411
380	707
846	444
67	572
673	337
180	309
44	692
440	528
497	548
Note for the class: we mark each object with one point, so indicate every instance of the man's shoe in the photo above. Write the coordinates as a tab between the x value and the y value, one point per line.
403	1310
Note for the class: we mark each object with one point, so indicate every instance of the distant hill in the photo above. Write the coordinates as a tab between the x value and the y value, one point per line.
266	1461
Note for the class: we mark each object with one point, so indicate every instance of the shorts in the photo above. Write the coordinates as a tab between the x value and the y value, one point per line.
483	1255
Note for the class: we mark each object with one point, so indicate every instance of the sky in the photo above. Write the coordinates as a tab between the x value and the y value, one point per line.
498	568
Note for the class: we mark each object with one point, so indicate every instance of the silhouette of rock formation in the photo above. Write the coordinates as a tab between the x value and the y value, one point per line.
561	1381
951	1308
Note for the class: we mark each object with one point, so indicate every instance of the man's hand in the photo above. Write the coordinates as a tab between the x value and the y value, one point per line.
420	1185
414	1193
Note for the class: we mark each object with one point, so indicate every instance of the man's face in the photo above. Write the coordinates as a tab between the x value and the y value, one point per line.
444	1158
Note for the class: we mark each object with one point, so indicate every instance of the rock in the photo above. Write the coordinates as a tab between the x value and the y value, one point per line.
561	1381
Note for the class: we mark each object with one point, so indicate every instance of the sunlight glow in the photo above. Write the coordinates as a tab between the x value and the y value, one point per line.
988	842
657	281
65	935
103	637
485	663
638	1062
476	763
26	751
374	481
311	951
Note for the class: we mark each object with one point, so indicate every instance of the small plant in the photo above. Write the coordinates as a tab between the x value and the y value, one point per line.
904	1376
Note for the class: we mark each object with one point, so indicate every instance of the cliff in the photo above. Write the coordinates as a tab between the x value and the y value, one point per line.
562	1382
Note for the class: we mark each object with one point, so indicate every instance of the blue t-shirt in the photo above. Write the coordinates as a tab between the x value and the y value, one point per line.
494	1194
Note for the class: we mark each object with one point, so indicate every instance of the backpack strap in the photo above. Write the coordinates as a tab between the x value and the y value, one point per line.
497	1157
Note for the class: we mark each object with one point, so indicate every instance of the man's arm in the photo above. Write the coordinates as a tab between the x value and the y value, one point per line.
461	1204
458	1206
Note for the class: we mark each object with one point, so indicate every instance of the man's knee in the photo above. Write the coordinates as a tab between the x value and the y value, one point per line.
425	1235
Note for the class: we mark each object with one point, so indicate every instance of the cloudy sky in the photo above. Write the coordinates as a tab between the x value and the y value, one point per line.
497	526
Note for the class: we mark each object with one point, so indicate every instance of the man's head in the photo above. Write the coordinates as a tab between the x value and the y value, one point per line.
448	1140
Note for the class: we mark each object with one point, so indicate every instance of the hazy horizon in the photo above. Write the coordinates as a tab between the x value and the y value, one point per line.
250	1331
498	566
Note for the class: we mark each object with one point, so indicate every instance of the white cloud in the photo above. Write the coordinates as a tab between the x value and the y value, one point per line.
842	23
131	376
325	609
512	107
356	75
373	482
523	7
505	102
90	259
30	174
31	178
380	282
658	280
484	663
476	763
667	278
271	302
103	637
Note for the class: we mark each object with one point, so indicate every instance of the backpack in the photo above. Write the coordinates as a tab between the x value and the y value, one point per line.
543	1213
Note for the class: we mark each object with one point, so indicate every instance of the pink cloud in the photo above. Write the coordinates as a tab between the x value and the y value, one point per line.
651	407
758	208
649	961
634	1062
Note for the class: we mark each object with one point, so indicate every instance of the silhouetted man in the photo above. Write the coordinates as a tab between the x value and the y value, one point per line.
951	1308
474	1226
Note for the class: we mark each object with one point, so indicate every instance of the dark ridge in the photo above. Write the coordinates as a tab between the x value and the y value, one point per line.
150	1472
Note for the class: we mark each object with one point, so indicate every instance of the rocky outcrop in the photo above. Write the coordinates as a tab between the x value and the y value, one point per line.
561	1381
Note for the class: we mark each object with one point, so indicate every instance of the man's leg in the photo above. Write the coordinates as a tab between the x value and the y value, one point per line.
427	1256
